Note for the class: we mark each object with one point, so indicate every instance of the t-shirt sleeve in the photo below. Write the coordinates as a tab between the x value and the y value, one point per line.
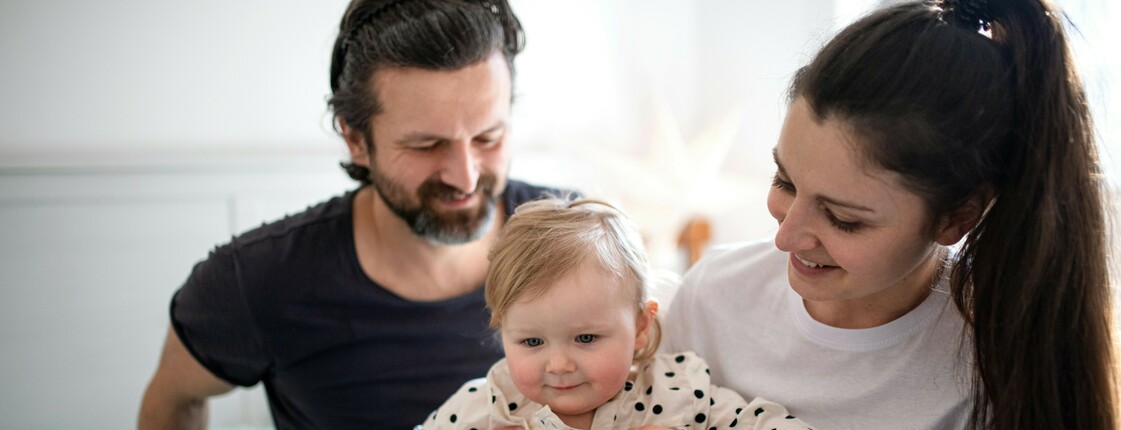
211	317
677	322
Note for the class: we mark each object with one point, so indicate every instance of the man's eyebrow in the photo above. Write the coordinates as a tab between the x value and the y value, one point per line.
422	137
830	200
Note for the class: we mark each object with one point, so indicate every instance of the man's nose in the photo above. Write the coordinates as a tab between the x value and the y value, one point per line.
461	167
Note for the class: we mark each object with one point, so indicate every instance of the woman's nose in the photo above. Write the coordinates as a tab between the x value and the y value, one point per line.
795	233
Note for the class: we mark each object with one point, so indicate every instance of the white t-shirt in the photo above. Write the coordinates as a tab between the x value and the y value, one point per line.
736	309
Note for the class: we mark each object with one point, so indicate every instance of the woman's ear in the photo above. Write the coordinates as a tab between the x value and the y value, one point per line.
646	319
356	143
959	222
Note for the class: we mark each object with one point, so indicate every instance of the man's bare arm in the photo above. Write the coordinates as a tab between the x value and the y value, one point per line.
176	397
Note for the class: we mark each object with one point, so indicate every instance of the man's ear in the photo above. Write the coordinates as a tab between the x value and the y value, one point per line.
959	222
645	321
356	143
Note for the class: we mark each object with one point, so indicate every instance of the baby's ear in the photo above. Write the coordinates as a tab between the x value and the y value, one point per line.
646	319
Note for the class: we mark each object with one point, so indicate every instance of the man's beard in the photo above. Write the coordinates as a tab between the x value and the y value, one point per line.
448	228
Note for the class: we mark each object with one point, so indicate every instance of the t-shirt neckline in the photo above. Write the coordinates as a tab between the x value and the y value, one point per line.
869	339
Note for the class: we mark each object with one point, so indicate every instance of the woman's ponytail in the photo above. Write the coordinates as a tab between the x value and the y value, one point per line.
1034	279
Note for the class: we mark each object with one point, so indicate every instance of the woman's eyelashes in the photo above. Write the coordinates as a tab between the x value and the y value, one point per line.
844	226
782	184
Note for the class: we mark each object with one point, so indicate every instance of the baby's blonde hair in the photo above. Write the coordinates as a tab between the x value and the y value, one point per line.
547	239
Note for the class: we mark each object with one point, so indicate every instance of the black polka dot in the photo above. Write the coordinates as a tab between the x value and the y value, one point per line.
708	371
513	406
758	411
712	428
738	410
674	389
628	386
639	407
700	394
657	409
492	399
790	417
649	390
670	374
453	418
734	422
700	418
472	390
712	402
680	359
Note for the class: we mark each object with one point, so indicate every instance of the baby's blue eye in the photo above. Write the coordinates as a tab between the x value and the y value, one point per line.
533	341
586	338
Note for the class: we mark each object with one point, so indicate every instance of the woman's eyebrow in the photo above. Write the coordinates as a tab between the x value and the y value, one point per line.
826	199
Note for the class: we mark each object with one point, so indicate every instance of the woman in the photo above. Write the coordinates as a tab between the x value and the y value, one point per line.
915	127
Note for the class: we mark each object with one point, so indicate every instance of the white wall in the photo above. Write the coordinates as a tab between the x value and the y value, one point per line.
135	135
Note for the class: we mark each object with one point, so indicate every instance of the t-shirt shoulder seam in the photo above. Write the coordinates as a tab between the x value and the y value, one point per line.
290	225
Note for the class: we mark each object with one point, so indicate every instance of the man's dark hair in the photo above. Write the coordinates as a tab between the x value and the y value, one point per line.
426	34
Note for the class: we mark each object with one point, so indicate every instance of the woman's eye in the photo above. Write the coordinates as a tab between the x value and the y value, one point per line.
533	342
586	338
845	226
779	183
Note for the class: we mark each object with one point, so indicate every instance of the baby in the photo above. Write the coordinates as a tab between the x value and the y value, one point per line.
567	289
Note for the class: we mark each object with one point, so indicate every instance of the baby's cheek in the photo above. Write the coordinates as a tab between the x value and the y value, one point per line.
527	379
613	378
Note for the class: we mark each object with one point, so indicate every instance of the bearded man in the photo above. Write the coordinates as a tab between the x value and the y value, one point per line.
366	311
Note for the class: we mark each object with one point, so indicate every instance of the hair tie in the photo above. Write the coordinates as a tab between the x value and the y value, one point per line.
974	14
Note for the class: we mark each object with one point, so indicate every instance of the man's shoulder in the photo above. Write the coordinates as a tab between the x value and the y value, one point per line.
316	215
518	192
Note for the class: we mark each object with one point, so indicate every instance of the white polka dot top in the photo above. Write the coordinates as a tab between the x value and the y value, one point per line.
671	390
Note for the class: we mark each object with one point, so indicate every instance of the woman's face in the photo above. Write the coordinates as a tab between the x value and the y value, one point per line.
860	254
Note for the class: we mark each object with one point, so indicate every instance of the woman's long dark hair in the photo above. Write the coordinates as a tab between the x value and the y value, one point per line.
972	98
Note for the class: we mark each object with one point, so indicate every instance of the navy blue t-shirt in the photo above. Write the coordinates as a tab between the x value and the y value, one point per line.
287	304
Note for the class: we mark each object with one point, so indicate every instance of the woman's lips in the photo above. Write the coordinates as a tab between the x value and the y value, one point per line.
808	267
